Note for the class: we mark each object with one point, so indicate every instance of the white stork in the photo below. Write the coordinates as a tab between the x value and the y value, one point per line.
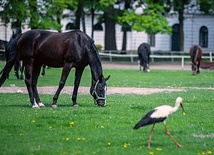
160	114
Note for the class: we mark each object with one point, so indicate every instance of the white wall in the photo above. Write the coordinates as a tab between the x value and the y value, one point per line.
192	25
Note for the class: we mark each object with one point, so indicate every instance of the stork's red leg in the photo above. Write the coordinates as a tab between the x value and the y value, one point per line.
167	132
150	136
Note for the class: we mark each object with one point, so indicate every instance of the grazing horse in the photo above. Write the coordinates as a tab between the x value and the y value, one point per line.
69	50
196	54
144	56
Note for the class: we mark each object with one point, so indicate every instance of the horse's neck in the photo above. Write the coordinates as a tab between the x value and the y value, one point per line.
96	67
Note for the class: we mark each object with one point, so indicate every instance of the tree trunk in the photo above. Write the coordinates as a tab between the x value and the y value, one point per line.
124	39
110	39
181	27
83	22
127	6
78	14
92	20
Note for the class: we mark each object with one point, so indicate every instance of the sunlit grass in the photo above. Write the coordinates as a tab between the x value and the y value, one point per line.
89	129
94	130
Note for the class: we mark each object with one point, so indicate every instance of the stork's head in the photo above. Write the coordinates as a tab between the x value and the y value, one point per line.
179	101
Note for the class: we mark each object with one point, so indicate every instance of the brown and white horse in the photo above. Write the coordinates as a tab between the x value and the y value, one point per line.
196	54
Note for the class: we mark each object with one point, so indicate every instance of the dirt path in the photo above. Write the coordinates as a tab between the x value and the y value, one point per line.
86	90
111	90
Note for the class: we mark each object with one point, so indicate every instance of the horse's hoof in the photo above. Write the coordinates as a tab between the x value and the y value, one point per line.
75	105
53	106
41	105
35	106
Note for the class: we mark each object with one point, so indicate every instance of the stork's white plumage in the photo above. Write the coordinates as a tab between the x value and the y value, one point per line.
160	114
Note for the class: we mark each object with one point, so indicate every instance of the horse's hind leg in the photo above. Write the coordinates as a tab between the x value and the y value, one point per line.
65	72
78	75
43	70
21	71
16	68
28	82
36	72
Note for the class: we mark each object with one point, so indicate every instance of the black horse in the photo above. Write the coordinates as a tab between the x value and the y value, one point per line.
69	50
144	53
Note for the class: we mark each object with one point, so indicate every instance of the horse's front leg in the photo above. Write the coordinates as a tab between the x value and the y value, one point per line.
28	82
198	67
78	75
65	72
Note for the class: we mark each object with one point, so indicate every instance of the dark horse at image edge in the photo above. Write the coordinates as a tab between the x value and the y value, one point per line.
195	54
144	53
18	65
69	50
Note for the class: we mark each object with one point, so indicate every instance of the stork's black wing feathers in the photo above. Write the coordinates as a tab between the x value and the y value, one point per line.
147	120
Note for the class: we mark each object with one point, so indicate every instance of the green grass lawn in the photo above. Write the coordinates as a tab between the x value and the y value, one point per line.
127	78
89	129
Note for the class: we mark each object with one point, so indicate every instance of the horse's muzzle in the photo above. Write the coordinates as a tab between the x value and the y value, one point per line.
101	103
193	72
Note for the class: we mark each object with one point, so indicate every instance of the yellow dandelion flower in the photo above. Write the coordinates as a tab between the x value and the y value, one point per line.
33	121
159	149
202	153
125	145
83	138
109	143
71	123
102	127
151	153
78	139
20	134
50	127
66	138
209	152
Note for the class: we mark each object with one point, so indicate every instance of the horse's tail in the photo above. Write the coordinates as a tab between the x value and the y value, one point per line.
11	47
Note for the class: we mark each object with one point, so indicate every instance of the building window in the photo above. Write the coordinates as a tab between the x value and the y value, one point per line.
98	27
70	26
151	40
203	36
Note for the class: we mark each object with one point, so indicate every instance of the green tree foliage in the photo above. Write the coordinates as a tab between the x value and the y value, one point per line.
207	6
14	11
151	20
43	14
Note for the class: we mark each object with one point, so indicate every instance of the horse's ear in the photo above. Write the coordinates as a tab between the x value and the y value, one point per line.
13	35
107	78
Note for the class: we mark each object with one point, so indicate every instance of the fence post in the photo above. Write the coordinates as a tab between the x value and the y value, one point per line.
182	62
110	57
211	60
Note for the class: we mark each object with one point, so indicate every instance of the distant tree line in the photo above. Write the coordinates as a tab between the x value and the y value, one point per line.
47	14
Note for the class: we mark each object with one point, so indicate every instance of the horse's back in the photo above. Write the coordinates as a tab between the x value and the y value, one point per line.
53	48
144	47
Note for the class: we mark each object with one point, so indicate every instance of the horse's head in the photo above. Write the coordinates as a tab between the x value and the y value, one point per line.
98	91
147	68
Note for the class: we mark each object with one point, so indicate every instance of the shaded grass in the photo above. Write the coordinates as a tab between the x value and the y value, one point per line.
47	131
127	78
